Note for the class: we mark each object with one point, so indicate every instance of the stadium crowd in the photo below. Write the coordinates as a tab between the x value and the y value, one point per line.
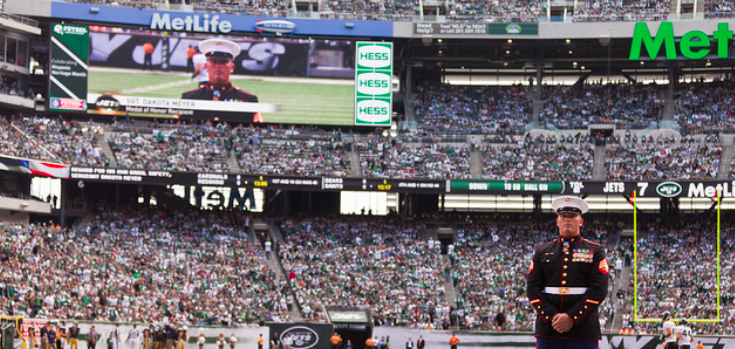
312	157
184	266
626	105
381	158
200	268
183	148
662	161
686	287
382	263
718	9
504	11
303	151
473	109
705	107
537	161
14	142
615	11
71	142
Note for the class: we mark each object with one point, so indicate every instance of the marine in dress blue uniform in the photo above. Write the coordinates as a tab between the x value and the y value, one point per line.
566	283
220	54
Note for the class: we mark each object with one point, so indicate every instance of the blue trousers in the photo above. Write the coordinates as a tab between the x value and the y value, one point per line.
554	343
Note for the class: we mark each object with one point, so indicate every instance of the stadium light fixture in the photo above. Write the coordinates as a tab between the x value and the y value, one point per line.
569	41
507	52
439	40
571	52
510	41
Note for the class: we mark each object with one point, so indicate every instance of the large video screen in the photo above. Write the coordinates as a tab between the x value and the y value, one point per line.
272	79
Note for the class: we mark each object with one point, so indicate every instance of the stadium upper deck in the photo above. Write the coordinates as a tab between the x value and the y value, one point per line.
528	11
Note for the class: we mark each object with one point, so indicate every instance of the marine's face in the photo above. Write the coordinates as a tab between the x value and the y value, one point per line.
219	70
569	223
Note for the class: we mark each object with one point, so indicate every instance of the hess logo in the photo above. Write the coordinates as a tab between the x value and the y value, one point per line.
373	84
373	56
302	337
373	110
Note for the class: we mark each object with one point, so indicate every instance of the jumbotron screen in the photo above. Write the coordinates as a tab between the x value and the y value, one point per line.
153	73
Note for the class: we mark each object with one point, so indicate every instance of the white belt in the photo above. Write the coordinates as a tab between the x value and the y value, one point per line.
565	290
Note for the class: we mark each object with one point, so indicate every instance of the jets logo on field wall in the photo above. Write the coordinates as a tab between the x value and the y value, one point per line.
303	337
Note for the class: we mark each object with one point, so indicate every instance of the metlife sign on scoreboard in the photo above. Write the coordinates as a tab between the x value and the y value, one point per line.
373	84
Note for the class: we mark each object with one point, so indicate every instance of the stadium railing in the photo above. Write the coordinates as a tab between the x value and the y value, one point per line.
19	19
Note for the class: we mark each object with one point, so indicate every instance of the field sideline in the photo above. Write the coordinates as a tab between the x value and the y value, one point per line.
299	100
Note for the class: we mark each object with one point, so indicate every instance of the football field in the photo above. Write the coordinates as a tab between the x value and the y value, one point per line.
299	100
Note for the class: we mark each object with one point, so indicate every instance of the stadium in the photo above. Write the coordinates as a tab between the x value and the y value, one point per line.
339	174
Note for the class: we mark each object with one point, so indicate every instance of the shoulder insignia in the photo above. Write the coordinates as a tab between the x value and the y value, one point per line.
604	268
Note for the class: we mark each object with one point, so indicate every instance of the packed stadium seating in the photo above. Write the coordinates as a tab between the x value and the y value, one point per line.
473	109
662	161
71	142
186	266
624	104
537	160
501	11
677	272
704	107
293	152
15	143
530	11
380	158
307	152
609	11
181	148
718	9
353	261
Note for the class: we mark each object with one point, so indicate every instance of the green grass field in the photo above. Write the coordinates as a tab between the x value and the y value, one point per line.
299	102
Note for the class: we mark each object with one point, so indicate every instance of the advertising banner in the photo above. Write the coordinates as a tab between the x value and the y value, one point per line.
373	84
450	28
512	28
69	66
305	335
